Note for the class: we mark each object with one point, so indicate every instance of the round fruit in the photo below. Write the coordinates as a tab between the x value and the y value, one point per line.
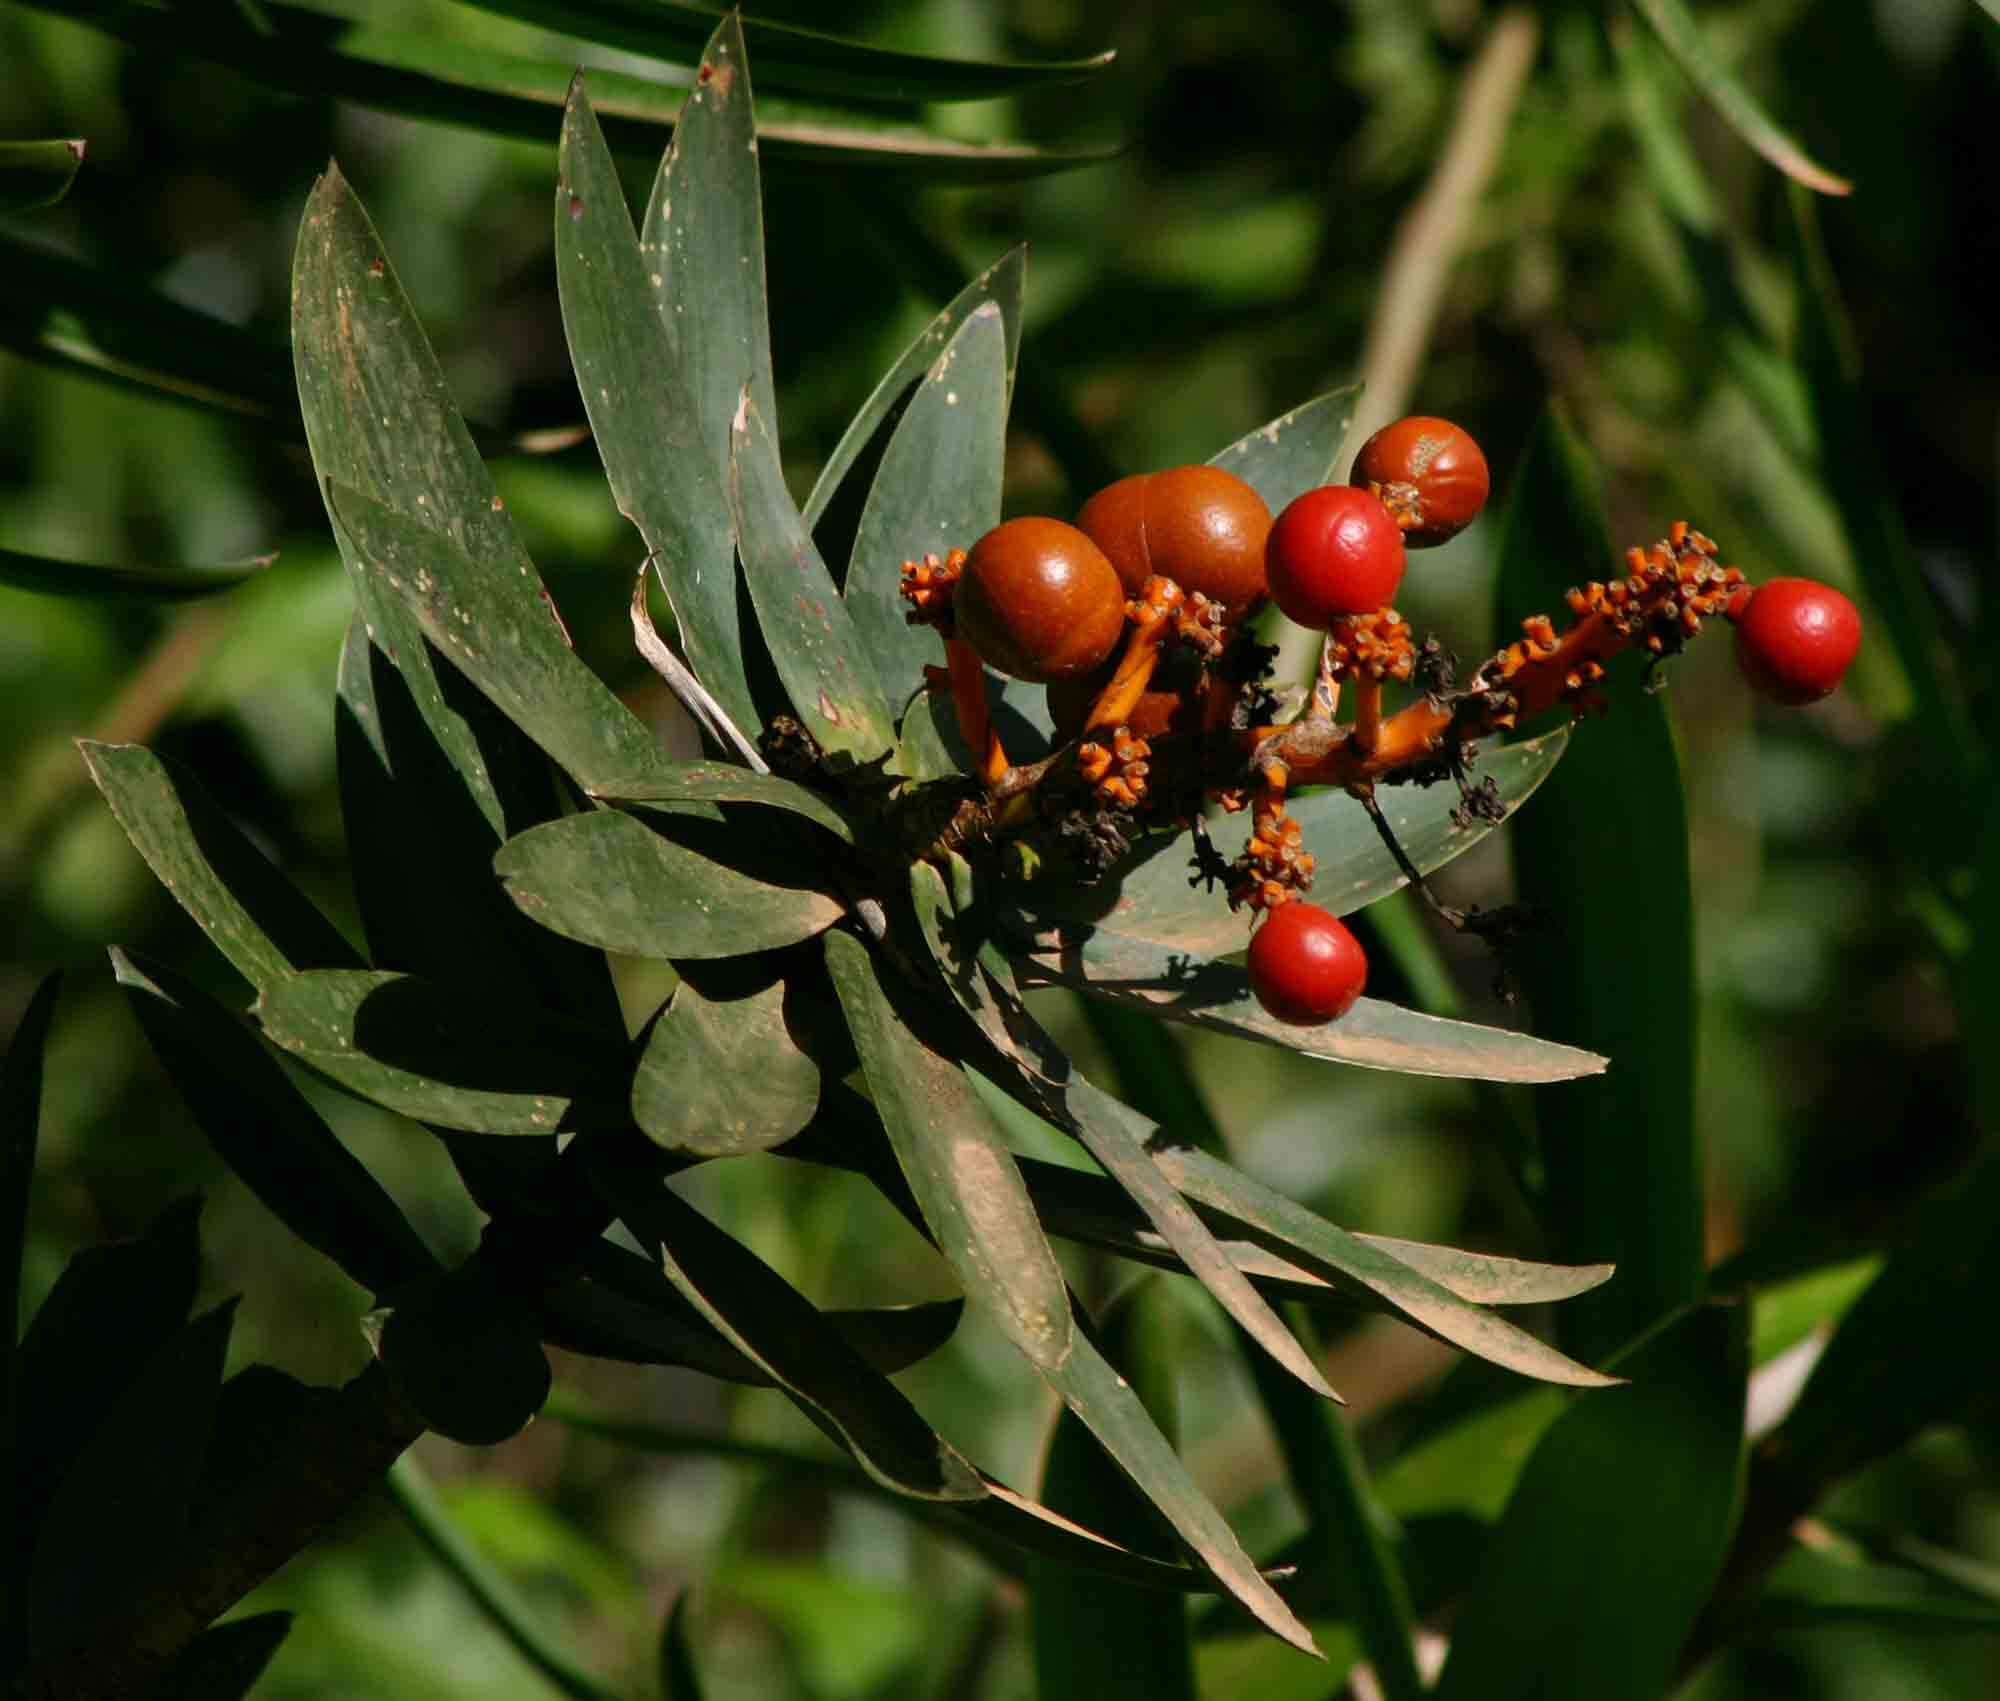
1201	527
1039	601
1305	967
1430	475
1333	552
1795	638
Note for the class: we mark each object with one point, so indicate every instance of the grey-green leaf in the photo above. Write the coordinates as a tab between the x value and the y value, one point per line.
959	1168
622	884
1002	283
106	579
490	616
1269	1216
1148	896
256	917
719	782
813	640
937	489
765	1318
452	1056
1296	452
1164	982
622	313
722	1077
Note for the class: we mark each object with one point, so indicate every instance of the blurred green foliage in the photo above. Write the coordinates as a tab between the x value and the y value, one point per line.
1629	258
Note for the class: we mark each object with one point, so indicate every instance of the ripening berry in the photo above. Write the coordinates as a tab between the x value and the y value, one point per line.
1430	475
1335	551
1039	601
1201	527
1305	967
1794	639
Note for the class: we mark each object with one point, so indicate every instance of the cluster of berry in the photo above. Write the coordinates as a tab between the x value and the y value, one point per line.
1133	617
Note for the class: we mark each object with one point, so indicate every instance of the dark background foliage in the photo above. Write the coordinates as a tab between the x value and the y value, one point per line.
1226	264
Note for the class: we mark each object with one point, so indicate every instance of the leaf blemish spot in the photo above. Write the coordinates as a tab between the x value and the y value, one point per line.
575	207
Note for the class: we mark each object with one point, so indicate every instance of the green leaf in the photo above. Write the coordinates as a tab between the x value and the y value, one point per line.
1095	1639
767	1320
266	1131
808	60
937	489
718	782
102	579
1116	1135
956	1164
452	1056
1266	1215
1682	37
1607	838
1616	1529
421	847
722	1077
1785	1313
679	1680
381	422
667	463
502	1605
491	617
37	174
813	639
664	888
224	1662
1002	283
1162	981
1147	896
252	914
1848	428
119	1510
1112	1412
1469	1467
1296	452
445	78
463	1351
1830	1590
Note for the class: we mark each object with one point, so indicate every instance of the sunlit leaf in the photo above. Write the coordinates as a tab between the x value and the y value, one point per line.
718	782
1295	452
722	1077
649	889
937	489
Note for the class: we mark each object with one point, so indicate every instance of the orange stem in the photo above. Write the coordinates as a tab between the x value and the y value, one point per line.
975	719
1116	702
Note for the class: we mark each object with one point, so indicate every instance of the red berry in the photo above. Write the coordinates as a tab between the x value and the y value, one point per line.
1335	551
1430	475
1201	527
1794	639
1305	967
1039	601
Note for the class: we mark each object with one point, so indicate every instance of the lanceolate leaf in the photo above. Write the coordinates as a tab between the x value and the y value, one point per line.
37	174
266	1132
812	637
718	782
1296	451
776	1327
937	489
254	916
490	616
1112	1412
722	1077
1001	283
1682	37
1268	1216
381	422
679	1679
452	1056
667	465
1607	839
462	1349
1156	978
960	1170
103	579
222	1663
1616	1529
802	59
622	884
1148	897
